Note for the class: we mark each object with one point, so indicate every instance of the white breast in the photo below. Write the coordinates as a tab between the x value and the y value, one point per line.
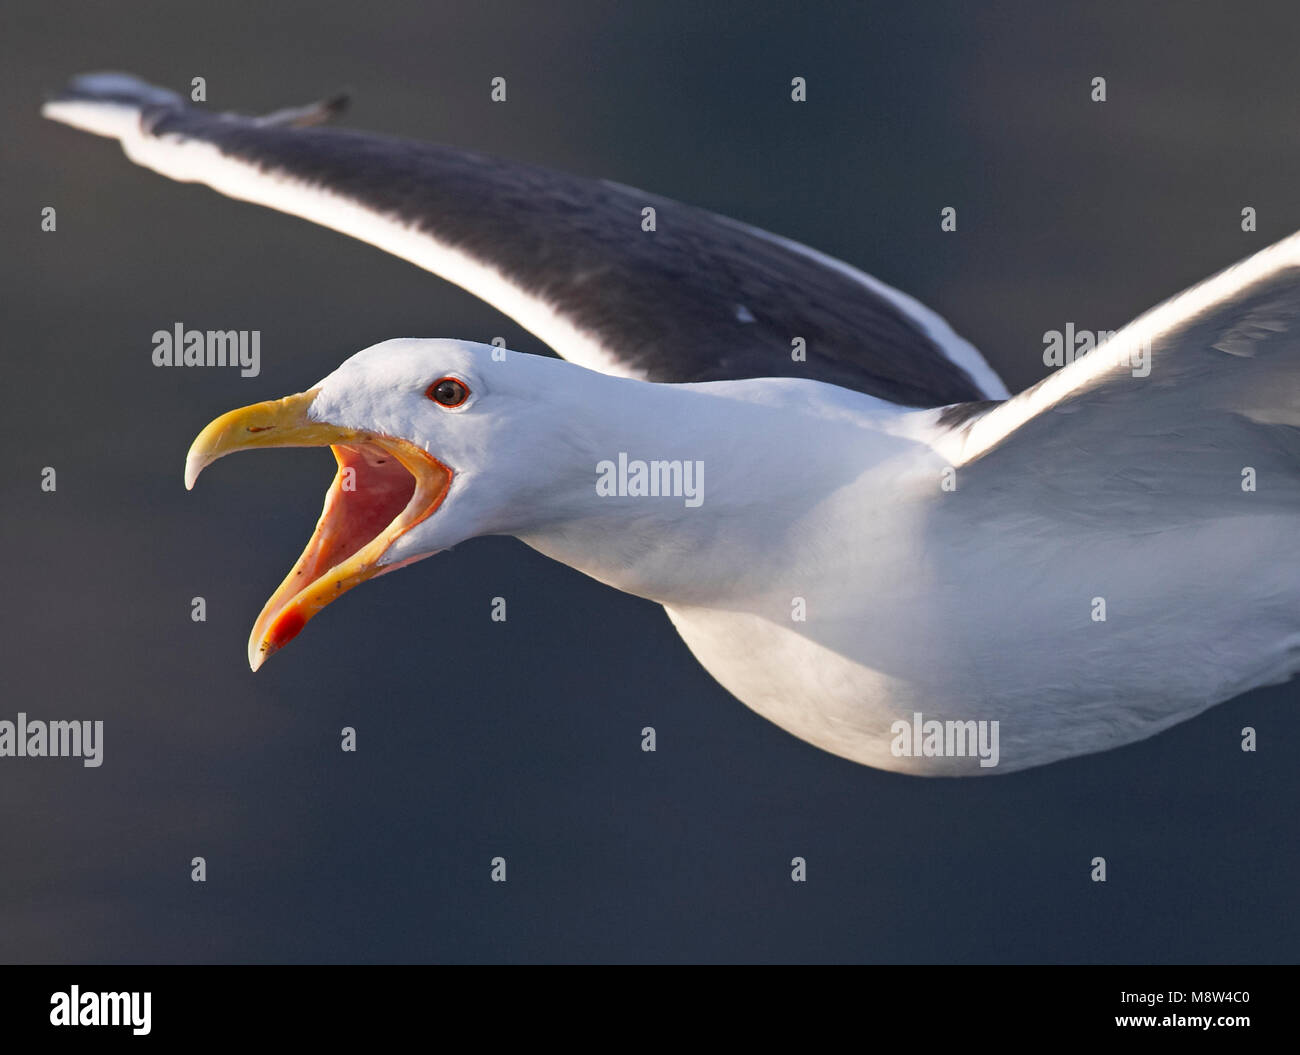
1012	637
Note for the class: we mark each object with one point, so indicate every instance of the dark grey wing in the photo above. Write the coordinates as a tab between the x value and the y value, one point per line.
697	298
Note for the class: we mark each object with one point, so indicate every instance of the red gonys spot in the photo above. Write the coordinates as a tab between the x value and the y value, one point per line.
285	629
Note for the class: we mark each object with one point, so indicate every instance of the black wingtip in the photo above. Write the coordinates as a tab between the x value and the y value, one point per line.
338	103
317	113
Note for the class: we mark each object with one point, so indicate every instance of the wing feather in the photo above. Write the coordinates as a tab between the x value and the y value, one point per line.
699	298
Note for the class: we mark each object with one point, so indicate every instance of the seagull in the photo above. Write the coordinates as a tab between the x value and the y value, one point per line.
873	544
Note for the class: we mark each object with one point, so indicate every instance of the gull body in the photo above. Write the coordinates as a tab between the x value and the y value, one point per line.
884	536
829	578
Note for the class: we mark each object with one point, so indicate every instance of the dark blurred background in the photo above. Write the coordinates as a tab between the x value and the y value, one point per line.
522	739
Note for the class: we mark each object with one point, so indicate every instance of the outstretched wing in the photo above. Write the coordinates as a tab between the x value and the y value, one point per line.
699	298
1192	410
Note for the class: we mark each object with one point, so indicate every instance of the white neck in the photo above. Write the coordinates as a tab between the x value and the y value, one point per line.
772	452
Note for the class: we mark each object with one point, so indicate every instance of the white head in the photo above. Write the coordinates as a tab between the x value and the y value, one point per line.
437	441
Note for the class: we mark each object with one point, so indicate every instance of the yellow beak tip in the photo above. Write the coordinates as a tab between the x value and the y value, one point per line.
275	423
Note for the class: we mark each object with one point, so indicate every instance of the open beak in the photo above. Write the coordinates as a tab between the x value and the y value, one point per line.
384	487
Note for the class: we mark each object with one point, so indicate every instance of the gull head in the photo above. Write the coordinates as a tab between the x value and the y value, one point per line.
437	441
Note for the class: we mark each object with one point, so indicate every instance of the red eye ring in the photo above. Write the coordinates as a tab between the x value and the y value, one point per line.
449	392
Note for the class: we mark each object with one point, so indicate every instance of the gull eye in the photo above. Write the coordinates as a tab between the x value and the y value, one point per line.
448	392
